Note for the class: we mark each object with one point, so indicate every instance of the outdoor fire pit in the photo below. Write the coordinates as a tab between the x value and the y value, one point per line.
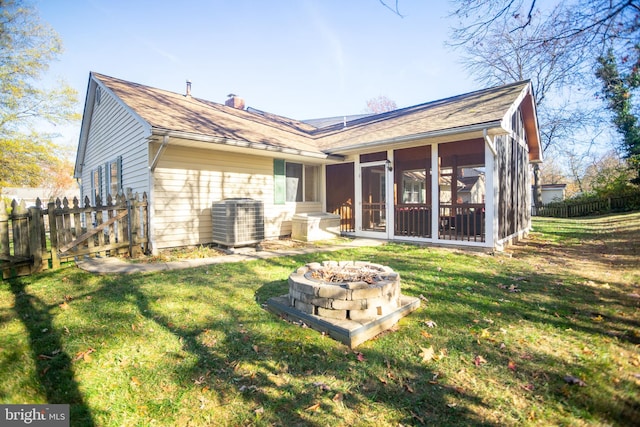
352	301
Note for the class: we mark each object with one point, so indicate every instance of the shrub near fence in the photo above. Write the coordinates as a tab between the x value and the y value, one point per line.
37	238
596	206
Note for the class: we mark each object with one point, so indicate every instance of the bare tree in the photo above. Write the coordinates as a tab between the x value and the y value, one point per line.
380	104
593	21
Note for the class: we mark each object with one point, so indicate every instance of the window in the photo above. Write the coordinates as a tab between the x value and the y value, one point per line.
295	182
114	176
96	185
301	182
413	186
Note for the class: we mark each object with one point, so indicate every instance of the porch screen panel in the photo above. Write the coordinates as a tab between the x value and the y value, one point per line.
412	192
340	191
462	190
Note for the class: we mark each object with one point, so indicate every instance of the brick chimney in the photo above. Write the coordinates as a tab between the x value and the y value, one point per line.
234	101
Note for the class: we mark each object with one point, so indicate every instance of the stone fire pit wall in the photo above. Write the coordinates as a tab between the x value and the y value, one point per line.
376	296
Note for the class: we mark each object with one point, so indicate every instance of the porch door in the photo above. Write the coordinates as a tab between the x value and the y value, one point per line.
373	207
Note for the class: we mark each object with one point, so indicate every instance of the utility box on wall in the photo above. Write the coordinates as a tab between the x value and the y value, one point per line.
309	227
237	222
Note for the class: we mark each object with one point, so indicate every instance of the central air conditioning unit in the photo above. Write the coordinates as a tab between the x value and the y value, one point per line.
237	222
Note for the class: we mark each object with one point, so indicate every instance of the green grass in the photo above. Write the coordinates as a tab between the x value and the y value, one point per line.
196	347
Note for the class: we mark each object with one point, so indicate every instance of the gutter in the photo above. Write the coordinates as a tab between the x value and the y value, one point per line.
243	144
431	134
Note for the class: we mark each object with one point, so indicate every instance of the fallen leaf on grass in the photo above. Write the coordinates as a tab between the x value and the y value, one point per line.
259	410
135	381
426	334
511	365
427	354
339	397
571	380
423	298
255	348
313	408
84	355
64	306
414	415
430	323
409	388
479	360
360	357
528	387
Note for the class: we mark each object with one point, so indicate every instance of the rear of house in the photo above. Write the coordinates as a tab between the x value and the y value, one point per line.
453	171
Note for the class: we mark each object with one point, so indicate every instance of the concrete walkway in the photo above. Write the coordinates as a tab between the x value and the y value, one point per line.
114	265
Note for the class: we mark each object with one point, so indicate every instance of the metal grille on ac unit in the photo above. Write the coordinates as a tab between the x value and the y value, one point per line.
237	222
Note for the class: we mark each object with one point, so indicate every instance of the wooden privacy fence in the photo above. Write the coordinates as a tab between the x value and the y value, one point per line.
570	209
38	238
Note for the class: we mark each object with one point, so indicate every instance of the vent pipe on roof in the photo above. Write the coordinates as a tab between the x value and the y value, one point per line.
188	94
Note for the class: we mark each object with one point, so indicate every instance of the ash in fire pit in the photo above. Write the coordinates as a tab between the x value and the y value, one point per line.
345	290
352	300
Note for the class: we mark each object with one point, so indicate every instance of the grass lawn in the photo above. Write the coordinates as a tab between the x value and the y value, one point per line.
546	334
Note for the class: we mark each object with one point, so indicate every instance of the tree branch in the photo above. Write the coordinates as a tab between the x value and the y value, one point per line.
395	11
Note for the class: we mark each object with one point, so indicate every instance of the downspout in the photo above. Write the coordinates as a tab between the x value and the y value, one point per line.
154	163
152	168
489	142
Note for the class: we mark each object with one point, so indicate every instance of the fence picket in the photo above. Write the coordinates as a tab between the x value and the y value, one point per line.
106	231
5	248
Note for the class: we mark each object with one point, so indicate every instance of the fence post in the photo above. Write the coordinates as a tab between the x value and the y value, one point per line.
35	233
134	223
53	234
5	248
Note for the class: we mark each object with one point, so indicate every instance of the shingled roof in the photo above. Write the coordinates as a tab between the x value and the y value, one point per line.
167	111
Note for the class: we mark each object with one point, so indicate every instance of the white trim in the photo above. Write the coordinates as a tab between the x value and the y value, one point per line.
490	197
387	234
435	194
389	177
430	134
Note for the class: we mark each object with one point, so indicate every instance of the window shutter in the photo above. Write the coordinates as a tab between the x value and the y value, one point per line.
101	185
107	183
279	182
119	174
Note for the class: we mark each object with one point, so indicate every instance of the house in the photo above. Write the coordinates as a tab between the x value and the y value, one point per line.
552	193
388	175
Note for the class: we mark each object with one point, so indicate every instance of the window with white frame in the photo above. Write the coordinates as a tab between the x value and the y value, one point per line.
302	182
96	185
114	176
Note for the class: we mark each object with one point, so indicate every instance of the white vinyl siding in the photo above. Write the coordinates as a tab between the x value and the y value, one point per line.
115	132
188	180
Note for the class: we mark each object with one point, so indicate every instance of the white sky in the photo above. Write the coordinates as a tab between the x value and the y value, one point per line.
297	58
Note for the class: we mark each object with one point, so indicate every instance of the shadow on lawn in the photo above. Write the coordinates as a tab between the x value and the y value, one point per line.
565	306
294	378
52	365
